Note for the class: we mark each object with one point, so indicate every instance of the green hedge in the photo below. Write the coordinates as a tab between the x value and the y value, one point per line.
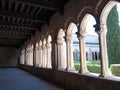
115	69
94	68
91	68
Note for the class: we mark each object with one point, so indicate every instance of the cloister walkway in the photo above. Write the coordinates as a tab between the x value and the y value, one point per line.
16	79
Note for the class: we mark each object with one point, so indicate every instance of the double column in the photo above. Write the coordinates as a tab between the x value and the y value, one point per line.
44	54
69	47
48	55
105	72
40	54
83	65
61	53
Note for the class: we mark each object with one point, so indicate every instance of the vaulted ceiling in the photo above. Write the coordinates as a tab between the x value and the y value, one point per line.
19	19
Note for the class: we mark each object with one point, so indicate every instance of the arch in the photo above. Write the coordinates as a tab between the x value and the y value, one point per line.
44	53
69	45
83	12
40	54
31	54
36	53
68	21
61	33
49	39
106	10
84	22
44	41
37	44
32	46
49	49
40	43
103	44
70	28
61	46
82	38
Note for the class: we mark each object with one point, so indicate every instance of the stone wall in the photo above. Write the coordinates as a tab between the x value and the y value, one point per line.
73	81
9	57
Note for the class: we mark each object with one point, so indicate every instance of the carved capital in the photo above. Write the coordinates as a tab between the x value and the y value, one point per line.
103	30
59	41
69	38
81	35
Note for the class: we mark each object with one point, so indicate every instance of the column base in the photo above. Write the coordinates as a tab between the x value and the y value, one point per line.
83	71
106	74
70	69
61	68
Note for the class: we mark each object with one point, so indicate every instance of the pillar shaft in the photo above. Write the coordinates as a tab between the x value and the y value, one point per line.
61	54
83	64
103	52
69	46
48	55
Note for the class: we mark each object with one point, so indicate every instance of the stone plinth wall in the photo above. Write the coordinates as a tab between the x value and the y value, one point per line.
73	81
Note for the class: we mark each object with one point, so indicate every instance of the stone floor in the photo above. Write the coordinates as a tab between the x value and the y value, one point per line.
16	79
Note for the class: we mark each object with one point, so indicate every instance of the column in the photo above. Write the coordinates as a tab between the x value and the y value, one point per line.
49	55
44	54
25	57
37	56
40	54
31	55
83	64
42	63
69	47
28	56
61	54
105	72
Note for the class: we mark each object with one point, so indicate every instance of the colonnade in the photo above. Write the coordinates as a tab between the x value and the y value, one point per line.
58	54
38	55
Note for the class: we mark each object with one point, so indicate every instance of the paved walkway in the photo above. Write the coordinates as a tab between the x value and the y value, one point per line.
16	79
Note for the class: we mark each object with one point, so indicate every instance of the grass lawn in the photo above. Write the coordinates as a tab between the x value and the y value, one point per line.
94	66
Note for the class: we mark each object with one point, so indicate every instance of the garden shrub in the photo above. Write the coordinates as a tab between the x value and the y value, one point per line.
115	69
95	68
92	67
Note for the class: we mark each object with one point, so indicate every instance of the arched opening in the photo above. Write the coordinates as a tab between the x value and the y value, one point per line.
27	56
110	36
40	54
44	53
113	37
37	54
49	48
31	54
61	45
72	47
72	43
91	41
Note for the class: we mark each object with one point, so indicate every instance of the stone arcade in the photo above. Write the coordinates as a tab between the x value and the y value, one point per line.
48	50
